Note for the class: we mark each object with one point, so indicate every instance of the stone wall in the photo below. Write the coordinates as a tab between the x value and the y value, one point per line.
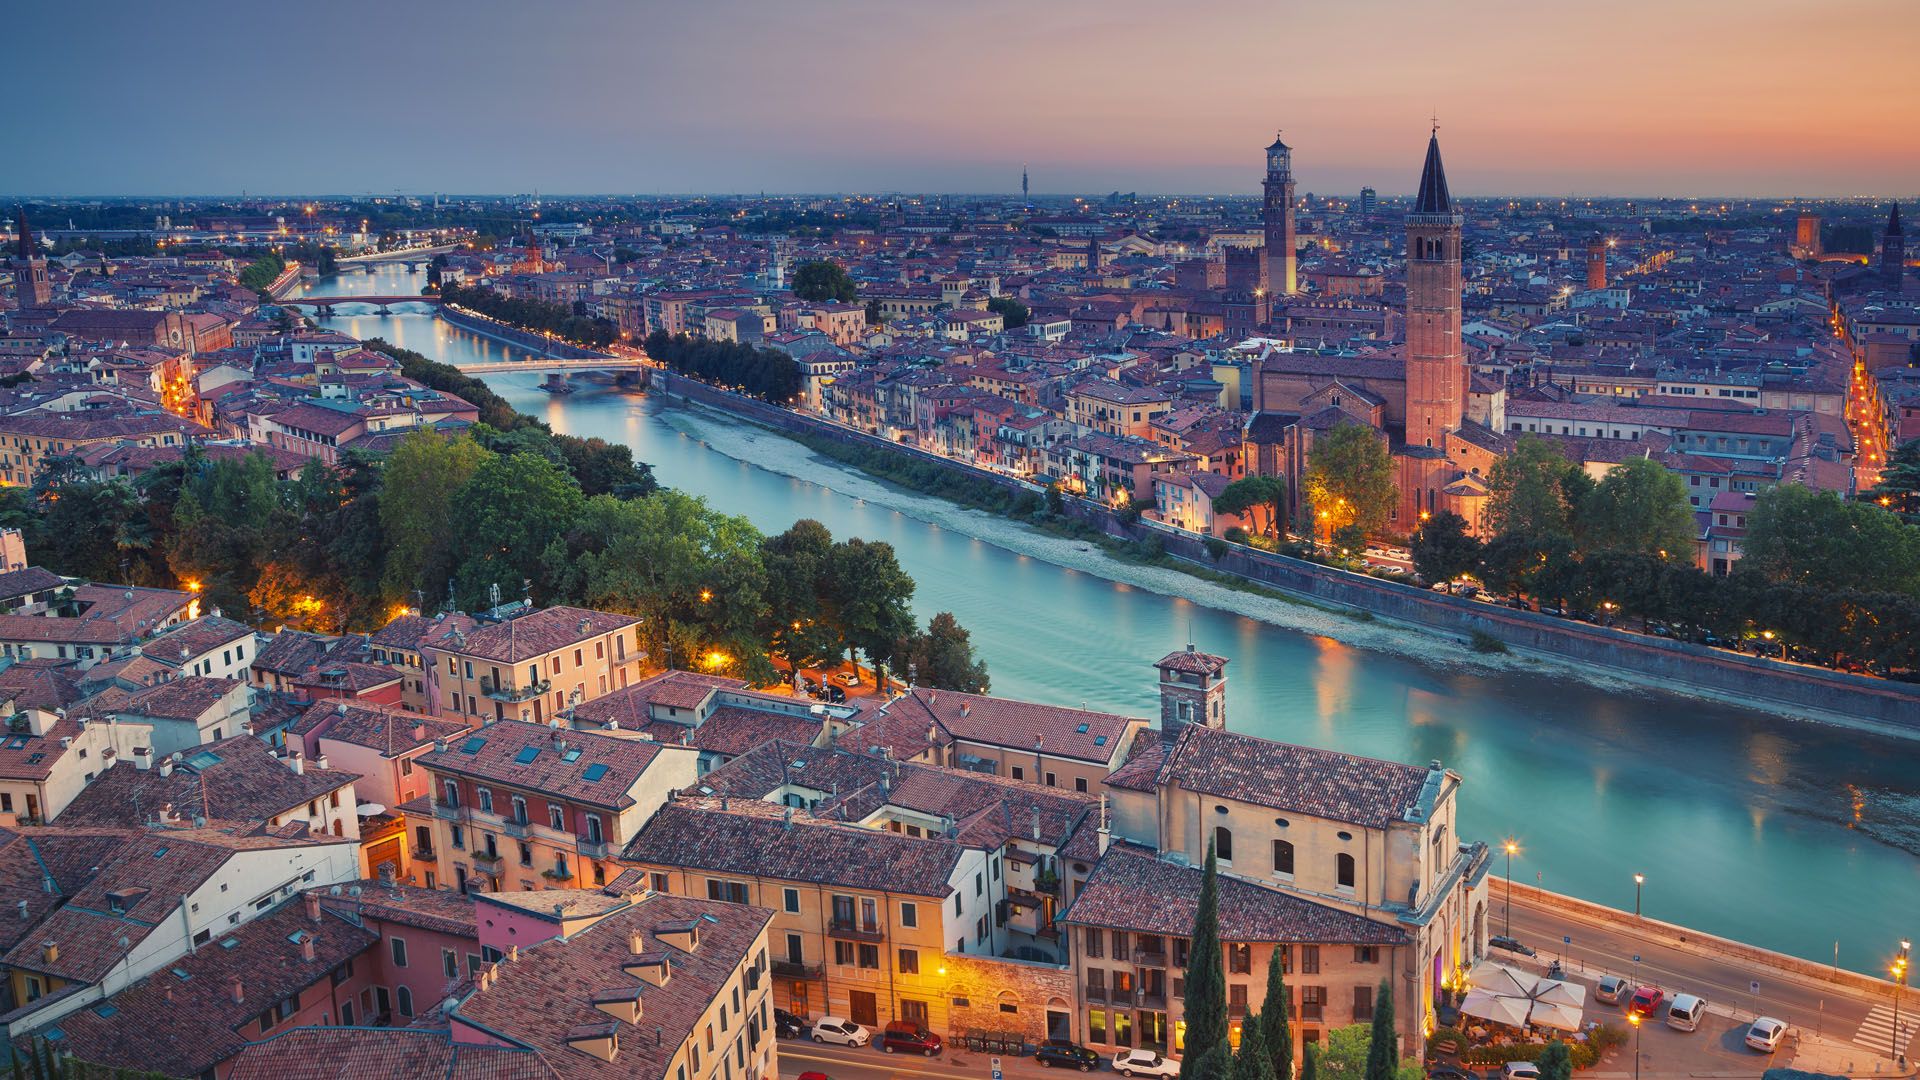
1794	689
989	986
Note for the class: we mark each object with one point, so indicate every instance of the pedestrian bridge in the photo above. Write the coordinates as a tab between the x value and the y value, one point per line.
608	363
324	302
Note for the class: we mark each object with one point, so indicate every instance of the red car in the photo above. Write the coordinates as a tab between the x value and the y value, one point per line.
1646	1001
814	1076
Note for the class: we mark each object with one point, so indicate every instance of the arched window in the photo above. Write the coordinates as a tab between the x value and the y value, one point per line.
1223	843
405	998
1283	857
1345	870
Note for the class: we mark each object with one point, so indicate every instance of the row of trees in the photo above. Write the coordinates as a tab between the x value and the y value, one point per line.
767	374
567	321
1358	1052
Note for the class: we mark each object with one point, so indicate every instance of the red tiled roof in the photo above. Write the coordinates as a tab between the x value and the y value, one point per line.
536	634
492	753
336	1053
1017	725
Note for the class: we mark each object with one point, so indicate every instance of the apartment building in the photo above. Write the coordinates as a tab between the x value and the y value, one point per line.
1045	744
530	665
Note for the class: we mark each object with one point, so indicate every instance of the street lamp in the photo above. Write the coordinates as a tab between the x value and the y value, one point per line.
1899	984
1512	846
1634	1019
1638	880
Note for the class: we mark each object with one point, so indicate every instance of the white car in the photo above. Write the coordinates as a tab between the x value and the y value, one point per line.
1144	1063
1765	1034
1521	1070
847	678
832	1029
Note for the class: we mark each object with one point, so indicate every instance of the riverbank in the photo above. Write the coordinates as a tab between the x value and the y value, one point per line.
513	335
1351	608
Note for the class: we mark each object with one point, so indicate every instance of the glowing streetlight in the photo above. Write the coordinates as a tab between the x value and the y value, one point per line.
1512	847
1638	880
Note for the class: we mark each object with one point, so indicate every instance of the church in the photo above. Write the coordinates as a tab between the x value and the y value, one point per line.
1442	425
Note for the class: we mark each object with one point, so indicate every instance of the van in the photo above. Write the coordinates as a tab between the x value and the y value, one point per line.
1685	1012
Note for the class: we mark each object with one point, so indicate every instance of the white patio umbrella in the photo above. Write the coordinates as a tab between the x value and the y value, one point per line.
1558	1017
1554	992
1499	1008
1502	980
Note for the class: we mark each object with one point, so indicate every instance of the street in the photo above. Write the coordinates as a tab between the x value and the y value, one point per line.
867	1063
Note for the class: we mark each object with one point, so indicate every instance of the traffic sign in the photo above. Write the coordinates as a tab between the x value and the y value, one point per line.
996	1069
1754	986
1636	958
1566	939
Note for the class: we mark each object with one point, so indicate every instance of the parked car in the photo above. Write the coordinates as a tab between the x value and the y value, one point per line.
788	1026
1144	1063
1448	1072
1066	1055
1501	941
907	1036
836	695
1765	1034
1611	990
1685	1012
847	678
1521	1070
815	1076
832	1029
1646	1001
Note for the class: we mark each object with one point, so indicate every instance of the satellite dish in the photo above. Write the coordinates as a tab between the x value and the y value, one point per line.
369	809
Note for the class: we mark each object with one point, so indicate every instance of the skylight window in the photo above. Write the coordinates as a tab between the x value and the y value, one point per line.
595	772
1099	740
572	754
204	759
527	754
473	745
1082	729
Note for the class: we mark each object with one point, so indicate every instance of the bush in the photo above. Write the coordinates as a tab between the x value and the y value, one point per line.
1484	642
1216	548
1236	535
1129	514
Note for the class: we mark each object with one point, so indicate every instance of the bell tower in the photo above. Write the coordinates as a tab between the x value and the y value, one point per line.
1893	251
1277	214
31	286
1193	690
1436	360
1596	263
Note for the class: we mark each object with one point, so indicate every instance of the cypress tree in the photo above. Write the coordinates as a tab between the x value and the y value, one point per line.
1205	1000
1255	1059
1277	1028
1383	1051
1309	1064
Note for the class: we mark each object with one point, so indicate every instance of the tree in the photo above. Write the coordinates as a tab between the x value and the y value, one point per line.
1349	540
870	594
1278	1029
422	475
1012	311
1443	549
1349	479
824	280
1799	536
801	623
1533	490
942	657
1310	1063
1899	486
1343	1054
1206	986
1642	506
1555	1062
1254	1061
1383	1045
511	509
1260	499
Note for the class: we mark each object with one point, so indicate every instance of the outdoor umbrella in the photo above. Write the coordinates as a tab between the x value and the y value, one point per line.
1499	1008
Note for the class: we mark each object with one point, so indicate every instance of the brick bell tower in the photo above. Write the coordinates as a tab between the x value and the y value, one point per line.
1278	217
1193	690
1436	360
1596	263
1893	251
31	285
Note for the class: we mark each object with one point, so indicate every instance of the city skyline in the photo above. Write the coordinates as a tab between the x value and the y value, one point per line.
738	97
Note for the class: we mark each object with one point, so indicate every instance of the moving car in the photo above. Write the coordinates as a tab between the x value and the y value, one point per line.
1646	1001
1685	1012
788	1026
1144	1063
1520	1070
1066	1055
832	1029
1501	941
905	1035
1610	990
1765	1034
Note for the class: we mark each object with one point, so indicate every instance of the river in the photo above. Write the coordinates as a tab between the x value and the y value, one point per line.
1787	834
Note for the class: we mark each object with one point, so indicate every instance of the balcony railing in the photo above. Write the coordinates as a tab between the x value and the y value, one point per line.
449	811
423	854
847	928
787	969
491	689
518	828
1096	993
488	862
592	849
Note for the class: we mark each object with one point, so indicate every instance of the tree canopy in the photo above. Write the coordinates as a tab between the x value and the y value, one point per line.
824	280
1534	489
1262	500
1443	549
1349	479
1799	536
1641	505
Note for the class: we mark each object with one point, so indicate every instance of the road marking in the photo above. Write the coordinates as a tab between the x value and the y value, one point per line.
1876	1032
885	1064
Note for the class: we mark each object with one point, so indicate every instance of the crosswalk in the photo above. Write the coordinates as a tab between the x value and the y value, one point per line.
1876	1031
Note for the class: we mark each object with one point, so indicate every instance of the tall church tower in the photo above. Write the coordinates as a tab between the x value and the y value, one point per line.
31	285
1278	215
1893	251
1436	359
1596	263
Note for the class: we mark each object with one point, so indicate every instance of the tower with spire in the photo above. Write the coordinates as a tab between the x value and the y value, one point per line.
1893	251
1277	214
1026	197
32	287
1436	363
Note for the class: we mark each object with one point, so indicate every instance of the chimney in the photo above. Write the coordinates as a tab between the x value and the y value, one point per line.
321	762
239	991
1036	824
308	950
166	768
419	733
143	758
313	907
297	762
50	951
1106	834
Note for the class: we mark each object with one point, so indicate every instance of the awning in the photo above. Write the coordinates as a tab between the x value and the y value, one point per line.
1501	980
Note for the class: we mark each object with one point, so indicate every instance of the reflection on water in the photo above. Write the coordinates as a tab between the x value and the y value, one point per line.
1780	833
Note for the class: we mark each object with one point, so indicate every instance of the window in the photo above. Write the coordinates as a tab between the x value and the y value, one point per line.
1019	773
486	800
1237	999
660	882
556	818
870	957
1223	843
795	951
909	914
1309	959
909	962
405	997
1240	958
1344	869
1366	954
450	963
399	946
1283	857
792	898
843	953
730	892
1313	1001
1095	941
1362	1003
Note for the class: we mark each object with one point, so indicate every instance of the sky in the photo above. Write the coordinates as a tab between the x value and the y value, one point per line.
1533	97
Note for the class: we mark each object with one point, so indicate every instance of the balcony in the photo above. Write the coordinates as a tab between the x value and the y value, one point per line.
1154	959
491	863
592	849
1096	993
448	811
787	969
423	854
518	828
558	873
847	928
491	689
1153	999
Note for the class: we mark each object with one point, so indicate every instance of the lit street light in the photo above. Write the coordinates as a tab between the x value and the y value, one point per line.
1899	983
1634	1019
1638	880
1512	846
